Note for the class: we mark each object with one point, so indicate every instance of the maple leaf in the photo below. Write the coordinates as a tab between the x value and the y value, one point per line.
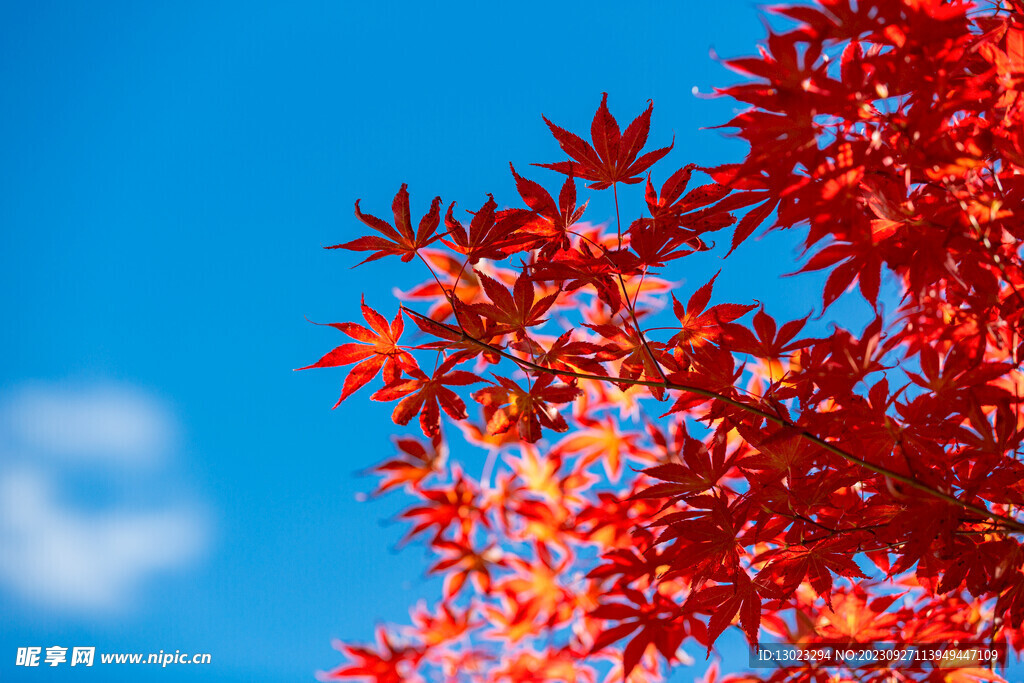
701	326
1011	602
705	541
444	625
470	565
416	462
458	503
527	409
565	354
629	565
491	233
734	594
600	438
400	239
535	592
780	453
976	564
466	338
775	136
857	618
700	471
655	245
692	211
537	473
422	395
516	310
816	563
678	220
556	218
958	374
627	344
386	664
655	619
587	265
767	340
713	370
378	351
861	261
613	156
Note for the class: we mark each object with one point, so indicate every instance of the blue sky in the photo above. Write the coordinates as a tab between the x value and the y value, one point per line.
170	172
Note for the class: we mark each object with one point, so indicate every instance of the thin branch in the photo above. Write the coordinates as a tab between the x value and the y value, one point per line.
629	306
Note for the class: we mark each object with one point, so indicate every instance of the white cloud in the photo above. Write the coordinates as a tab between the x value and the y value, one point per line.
56	553
104	422
64	558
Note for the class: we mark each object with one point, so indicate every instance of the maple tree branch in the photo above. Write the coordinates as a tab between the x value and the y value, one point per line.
1008	522
831	531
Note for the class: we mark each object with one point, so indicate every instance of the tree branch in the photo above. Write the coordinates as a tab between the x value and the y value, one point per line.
1008	522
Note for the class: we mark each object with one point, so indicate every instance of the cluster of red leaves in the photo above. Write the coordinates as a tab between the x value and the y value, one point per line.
857	487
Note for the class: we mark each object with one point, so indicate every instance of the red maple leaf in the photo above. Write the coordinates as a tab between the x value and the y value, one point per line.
527	409
701	326
613	156
734	594
700	471
416	462
379	350
491	233
513	311
458	504
552	228
461	562
400	239
422	395
812	562
385	664
588	264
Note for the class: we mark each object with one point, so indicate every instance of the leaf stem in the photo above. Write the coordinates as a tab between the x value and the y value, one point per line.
629	305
